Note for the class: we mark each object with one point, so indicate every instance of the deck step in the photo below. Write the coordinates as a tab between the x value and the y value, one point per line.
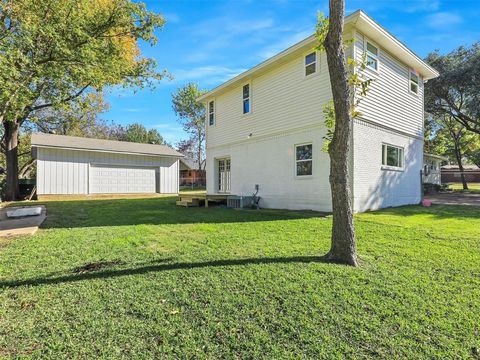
189	202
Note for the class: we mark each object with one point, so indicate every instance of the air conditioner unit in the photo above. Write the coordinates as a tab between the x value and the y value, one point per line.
239	202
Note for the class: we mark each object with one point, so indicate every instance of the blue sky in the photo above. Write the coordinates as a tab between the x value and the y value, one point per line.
209	42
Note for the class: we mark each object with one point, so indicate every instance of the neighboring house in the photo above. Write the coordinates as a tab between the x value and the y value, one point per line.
451	173
431	168
190	175
266	126
70	165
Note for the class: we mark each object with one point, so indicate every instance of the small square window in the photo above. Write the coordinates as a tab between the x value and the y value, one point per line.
392	156
310	63
304	160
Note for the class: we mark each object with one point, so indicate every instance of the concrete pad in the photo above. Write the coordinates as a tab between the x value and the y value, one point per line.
20	226
454	198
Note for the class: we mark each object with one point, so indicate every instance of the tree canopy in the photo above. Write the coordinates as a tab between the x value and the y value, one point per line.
138	133
191	115
52	52
456	92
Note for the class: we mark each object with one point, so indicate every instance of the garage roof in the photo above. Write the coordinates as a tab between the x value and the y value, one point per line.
89	144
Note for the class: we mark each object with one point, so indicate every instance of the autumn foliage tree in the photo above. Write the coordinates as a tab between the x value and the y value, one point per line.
52	52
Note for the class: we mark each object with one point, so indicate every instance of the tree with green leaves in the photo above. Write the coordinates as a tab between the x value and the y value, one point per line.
444	135
191	115
52	52
138	133
456	92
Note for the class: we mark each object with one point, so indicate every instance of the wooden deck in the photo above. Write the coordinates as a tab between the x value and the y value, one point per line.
197	200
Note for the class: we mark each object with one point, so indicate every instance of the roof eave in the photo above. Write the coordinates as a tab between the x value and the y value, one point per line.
359	20
105	151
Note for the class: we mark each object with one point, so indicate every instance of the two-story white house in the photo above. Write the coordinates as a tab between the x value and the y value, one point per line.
265	127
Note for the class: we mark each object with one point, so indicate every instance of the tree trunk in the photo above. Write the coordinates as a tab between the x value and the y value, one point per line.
458	157
11	155
343	247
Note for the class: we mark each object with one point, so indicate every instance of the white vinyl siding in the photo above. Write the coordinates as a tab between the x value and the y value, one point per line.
281	96
388	102
62	171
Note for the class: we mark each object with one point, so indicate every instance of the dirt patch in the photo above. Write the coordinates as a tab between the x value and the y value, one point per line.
95	266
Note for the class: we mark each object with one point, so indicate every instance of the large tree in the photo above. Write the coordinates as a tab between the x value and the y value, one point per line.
54	51
139	133
446	136
191	115
456	92
343	243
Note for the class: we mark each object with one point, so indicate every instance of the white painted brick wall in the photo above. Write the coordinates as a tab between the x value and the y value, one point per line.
375	187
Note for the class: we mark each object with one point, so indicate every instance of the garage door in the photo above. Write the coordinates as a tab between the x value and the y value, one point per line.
107	179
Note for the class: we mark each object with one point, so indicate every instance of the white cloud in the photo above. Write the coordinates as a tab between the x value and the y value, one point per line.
207	75
442	19
421	5
171	18
283	44
133	110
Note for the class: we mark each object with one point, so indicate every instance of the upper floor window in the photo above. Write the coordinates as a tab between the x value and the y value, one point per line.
413	81
303	160
211	113
246	98
372	56
310	63
392	156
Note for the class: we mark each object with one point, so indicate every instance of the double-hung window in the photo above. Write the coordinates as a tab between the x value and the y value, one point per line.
413	81
211	113
304	160
392	156
372	56
310	63
246	98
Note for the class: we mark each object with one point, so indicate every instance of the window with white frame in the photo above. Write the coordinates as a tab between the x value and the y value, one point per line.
304	160
310	63
211	113
413	81
246	98
392	156
372	56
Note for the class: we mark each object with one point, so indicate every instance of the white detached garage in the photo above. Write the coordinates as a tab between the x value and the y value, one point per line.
69	165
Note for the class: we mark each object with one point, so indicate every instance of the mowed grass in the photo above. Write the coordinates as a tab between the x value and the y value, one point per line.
472	187
141	278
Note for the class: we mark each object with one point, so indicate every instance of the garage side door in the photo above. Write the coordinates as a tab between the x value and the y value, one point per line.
106	179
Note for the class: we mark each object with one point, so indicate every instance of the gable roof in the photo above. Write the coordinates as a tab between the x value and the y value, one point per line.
89	144
358	20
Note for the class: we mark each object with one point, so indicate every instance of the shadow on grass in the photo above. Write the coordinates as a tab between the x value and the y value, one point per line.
153	211
112	273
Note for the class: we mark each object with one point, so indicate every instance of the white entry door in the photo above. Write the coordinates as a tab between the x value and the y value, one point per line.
224	175
111	179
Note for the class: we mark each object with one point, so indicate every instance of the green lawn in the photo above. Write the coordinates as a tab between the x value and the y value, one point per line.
212	283
472	187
